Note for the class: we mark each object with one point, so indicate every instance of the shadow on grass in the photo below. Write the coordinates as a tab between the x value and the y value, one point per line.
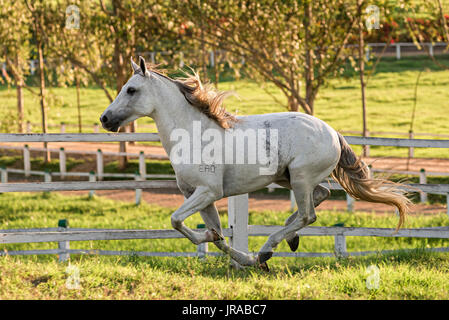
220	267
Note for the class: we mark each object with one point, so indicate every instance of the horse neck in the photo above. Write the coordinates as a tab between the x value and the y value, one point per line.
176	113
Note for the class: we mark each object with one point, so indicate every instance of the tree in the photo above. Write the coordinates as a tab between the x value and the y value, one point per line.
420	33
109	34
38	21
15	48
285	42
361	50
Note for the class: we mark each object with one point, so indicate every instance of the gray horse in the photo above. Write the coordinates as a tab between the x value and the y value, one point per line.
292	149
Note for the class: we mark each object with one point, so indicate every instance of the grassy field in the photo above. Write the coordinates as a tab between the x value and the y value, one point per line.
390	97
415	275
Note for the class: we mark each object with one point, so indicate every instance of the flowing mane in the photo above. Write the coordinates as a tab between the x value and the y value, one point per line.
202	96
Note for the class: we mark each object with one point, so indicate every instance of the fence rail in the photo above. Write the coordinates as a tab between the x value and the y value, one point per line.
238	230
65	235
78	137
96	127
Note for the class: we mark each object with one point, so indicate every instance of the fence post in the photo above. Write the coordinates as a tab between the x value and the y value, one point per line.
181	59
47	178
100	170
4	175
398	51
340	246
431	49
447	203
91	179
62	127
138	191
411	149
26	160
211	58
28	127
62	163
238	222
142	165
202	248
63	225
152	56
349	203
366	148
47	175
422	180
96	128
292	200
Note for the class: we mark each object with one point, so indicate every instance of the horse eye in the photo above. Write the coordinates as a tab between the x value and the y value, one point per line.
131	90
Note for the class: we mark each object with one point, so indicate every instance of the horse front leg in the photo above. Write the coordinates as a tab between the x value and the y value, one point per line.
212	220
200	199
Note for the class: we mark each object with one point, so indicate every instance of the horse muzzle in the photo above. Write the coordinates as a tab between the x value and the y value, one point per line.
109	122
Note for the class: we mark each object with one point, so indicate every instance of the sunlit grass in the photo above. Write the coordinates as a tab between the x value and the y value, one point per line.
403	275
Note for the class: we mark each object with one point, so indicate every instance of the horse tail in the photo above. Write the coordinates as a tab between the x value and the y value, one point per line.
353	175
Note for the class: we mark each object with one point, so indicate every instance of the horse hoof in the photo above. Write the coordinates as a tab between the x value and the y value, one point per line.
264	256
294	243
264	267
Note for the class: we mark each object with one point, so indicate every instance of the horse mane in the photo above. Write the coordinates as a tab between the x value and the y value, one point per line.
202	96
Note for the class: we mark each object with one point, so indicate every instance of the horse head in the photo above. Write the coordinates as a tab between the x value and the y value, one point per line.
136	99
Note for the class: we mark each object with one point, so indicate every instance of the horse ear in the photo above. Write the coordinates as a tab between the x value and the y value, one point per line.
143	66
136	68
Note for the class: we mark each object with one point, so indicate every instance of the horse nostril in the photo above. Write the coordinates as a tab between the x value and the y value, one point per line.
104	119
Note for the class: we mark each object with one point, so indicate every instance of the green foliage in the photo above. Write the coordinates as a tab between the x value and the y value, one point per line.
8	122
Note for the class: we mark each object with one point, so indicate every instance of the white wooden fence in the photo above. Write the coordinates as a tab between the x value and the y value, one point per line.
238	229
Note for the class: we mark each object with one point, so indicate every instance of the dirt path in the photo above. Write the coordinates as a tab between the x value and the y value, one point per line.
173	199
415	164
94	146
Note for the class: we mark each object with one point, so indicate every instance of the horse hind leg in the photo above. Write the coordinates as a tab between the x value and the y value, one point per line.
306	212
320	194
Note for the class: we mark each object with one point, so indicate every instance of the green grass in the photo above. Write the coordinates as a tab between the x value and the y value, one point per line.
152	167
38	163
390	96
413	275
416	275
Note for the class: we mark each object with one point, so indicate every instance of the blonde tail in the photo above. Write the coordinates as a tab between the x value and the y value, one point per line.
353	175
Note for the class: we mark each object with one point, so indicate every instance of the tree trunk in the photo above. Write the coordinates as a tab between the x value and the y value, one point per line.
77	80
362	75
216	70
120	80
42	94
309	70
293	104
203	57
19	87
132	47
